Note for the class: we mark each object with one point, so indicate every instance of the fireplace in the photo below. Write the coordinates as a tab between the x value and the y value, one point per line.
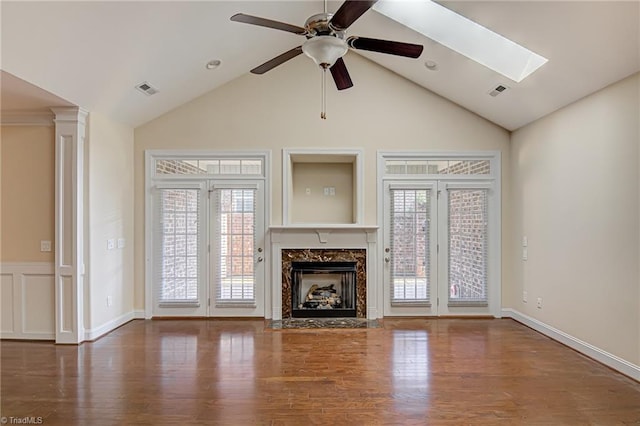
345	269
323	289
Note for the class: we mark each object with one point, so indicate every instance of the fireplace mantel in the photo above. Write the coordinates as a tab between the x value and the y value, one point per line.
325	236
323	231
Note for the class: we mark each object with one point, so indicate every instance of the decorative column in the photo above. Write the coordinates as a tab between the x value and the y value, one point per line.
69	232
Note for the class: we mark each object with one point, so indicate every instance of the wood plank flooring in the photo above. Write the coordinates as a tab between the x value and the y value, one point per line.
409	372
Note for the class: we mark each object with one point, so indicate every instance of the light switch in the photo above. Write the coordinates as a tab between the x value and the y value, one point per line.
111	244
525	254
120	243
525	241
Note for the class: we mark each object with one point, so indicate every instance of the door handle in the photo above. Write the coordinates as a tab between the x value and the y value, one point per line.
260	259
386	259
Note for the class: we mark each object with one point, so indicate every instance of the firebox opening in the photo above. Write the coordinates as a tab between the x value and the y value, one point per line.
323	289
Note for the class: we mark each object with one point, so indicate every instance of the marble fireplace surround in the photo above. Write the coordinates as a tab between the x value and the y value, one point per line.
325	255
324	243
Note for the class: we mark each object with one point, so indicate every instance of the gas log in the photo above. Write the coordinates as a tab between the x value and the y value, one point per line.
322	298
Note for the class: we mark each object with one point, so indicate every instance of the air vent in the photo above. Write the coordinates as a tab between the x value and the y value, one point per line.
497	90
147	89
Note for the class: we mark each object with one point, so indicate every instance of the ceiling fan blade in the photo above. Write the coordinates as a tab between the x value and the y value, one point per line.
385	46
349	12
254	20
341	75
278	60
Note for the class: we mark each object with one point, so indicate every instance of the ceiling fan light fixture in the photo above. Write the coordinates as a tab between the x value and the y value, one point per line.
325	50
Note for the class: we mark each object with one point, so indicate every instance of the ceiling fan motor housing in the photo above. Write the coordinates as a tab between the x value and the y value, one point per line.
318	24
325	45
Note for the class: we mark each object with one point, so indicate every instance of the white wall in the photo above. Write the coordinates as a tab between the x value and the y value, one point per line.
110	216
575	194
281	109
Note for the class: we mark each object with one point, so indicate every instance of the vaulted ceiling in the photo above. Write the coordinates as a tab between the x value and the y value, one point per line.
93	54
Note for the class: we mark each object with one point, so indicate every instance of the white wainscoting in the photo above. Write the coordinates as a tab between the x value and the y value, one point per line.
608	359
27	299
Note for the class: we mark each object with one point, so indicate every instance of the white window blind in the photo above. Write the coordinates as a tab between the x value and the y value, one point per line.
177	238
409	254
468	227
235	237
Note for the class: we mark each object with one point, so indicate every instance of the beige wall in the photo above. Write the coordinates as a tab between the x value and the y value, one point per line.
575	192
109	195
282	109
27	211
313	206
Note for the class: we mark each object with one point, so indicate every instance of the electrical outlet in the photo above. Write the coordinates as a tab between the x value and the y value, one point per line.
45	245
524	296
109	301
539	302
307	191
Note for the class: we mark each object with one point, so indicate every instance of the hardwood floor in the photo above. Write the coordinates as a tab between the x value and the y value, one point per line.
413	371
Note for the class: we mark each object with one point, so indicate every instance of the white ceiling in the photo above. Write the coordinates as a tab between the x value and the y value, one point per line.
93	54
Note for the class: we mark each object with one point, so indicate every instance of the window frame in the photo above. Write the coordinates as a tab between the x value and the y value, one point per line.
464	181
153	179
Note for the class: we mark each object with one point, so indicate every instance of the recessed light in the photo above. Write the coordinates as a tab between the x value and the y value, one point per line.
431	65
211	65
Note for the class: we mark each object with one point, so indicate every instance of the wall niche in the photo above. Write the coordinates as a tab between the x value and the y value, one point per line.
322	187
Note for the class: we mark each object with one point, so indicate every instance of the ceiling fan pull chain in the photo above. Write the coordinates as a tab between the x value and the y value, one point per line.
323	113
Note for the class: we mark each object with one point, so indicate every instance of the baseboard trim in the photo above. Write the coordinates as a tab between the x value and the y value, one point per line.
625	367
27	336
97	332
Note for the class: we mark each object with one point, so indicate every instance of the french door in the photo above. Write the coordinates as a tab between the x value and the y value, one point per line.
208	240
436	248
236	252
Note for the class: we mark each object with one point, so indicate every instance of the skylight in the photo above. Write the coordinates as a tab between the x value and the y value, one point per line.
464	36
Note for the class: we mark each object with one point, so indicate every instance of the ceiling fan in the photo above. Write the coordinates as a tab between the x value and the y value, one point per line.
327	41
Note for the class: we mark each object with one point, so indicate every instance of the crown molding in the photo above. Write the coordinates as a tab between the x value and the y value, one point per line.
26	118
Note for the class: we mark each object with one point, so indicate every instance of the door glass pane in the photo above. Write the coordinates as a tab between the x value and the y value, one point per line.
235	239
409	256
178	274
468	220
